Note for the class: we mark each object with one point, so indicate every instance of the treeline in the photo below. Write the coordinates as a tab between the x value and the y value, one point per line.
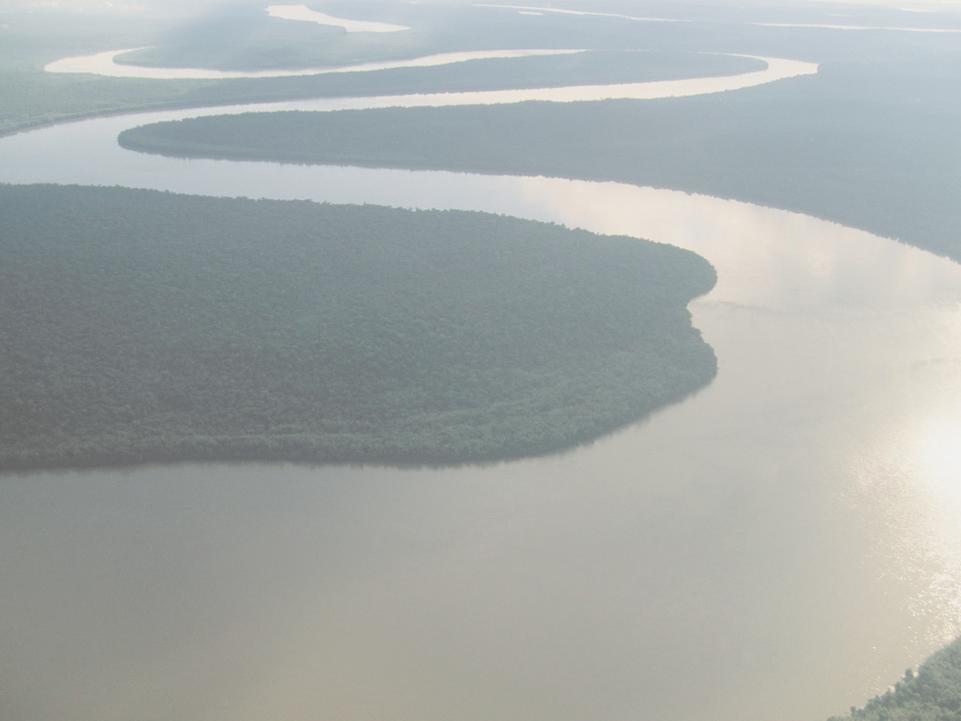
245	38
933	693
140	326
872	144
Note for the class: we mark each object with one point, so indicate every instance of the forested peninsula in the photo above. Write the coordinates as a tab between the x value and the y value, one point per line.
145	326
933	693
253	41
873	145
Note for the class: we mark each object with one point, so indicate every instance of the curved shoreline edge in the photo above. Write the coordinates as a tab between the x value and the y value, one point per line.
775	69
287	376
302	13
104	64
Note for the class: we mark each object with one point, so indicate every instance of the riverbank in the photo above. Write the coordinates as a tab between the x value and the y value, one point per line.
871	145
932	693
144	326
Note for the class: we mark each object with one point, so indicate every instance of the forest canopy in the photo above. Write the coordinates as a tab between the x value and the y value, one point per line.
244	39
933	693
140	326
870	144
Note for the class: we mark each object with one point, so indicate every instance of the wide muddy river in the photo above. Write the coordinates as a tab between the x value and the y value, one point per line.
778	547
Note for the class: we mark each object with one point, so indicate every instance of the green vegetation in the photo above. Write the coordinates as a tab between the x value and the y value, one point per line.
238	37
931	694
139	325
33	97
247	40
872	144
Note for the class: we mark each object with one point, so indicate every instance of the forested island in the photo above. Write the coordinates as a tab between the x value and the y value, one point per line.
933	693
146	326
870	144
243	38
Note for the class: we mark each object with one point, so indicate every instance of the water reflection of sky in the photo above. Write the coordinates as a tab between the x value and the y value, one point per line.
302	13
787	538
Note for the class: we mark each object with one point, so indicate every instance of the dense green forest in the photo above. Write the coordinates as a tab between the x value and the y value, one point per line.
253	41
933	693
139	325
245	38
871	144
33	97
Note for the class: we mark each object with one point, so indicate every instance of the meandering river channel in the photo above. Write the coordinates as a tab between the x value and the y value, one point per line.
780	546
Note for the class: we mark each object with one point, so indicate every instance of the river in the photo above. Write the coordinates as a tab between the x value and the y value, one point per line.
779	546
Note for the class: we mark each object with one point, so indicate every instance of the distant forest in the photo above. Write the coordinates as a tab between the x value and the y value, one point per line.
245	38
931	694
870	144
146	326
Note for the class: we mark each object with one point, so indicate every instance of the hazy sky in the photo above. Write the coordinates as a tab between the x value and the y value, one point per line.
126	5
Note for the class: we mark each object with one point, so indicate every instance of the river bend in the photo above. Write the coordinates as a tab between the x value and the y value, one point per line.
780	545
